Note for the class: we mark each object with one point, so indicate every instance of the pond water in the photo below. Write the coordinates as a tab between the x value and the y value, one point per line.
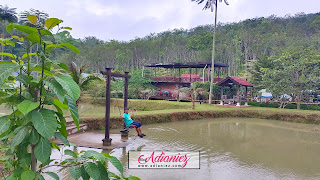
230	148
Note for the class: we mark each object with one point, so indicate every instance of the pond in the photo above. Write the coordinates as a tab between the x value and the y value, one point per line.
230	148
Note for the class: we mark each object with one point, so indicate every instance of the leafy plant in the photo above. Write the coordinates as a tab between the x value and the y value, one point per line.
37	104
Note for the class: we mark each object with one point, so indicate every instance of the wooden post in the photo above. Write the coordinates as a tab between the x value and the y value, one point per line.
219	72
179	76
190	75
173	72
221	101
197	73
238	94
125	98
246	103
107	140
155	71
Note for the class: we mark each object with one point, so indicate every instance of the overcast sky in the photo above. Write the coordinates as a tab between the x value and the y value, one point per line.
127	19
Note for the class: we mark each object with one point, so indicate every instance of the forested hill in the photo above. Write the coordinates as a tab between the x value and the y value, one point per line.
239	45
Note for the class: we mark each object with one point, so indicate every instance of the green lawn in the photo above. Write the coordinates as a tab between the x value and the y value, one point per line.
159	107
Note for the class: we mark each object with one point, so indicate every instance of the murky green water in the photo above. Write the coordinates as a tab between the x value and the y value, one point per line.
237	148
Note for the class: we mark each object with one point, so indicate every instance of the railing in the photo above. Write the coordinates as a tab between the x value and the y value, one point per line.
183	80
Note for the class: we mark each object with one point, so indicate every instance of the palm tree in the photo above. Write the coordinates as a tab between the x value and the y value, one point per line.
212	4
41	17
77	76
6	15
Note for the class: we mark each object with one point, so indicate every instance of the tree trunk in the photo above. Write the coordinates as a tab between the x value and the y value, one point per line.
193	99
298	101
213	52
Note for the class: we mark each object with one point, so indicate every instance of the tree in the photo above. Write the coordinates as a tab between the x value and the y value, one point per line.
41	17
31	124
79	78
6	15
294	72
212	4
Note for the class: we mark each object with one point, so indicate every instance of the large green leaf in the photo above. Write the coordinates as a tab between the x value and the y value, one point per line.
45	71
45	122
53	175
22	28
26	106
52	22
22	133
63	124
57	89
75	172
69	85
84	174
96	155
70	153
40	177
33	19
4	124
46	32
6	69
42	151
92	170
72	47
8	54
27	175
133	178
34	37
103	172
73	110
34	137
30	54
114	161
62	138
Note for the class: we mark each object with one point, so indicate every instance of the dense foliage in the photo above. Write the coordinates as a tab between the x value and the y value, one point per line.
240	44
37	94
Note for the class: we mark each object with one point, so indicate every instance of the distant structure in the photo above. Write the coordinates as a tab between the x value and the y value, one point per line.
168	87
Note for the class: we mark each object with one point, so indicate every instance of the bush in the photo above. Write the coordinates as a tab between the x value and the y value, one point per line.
288	106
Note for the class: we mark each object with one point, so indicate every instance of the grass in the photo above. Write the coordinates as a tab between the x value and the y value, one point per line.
163	107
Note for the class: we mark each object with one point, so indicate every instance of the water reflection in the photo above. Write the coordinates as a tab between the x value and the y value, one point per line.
238	148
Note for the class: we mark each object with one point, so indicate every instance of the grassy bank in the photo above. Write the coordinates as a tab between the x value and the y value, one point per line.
167	111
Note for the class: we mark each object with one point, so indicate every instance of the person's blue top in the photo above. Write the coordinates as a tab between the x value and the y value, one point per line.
127	119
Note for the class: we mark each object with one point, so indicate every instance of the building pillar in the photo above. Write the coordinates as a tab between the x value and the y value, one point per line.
238	94
246	103
190	76
221	101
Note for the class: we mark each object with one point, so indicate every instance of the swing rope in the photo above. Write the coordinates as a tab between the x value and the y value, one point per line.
118	102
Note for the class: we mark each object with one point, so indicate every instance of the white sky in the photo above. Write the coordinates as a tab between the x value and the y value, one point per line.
127	19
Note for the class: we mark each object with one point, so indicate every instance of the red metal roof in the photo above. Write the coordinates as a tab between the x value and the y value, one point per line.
235	80
193	76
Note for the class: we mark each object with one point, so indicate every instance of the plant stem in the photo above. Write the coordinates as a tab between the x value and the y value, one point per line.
33	159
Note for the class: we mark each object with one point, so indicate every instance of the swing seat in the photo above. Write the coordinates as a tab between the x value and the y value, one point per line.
128	128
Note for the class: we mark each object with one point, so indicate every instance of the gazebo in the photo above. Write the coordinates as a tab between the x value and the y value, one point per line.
168	86
230	82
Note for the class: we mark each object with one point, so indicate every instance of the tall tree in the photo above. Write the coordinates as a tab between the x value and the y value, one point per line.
212	4
41	17
6	15
294	72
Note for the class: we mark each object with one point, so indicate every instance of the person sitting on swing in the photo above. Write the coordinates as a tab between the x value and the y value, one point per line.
130	123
